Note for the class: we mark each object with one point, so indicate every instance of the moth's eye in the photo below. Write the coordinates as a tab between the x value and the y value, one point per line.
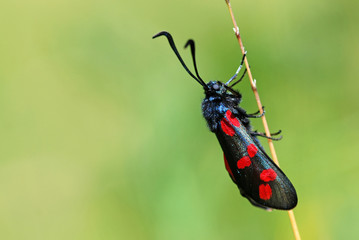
215	86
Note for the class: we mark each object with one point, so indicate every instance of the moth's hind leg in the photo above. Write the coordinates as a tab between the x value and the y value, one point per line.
255	133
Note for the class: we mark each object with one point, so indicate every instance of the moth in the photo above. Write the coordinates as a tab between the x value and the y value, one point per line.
257	177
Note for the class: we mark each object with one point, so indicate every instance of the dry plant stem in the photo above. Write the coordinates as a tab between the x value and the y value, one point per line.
266	128
294	224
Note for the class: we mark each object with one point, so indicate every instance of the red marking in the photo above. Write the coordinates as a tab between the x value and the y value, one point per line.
230	116
227	166
268	175
226	124
227	127
252	150
243	162
265	191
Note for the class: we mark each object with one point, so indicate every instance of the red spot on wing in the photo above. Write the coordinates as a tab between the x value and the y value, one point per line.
230	116
265	191
244	162
227	166
252	150
227	127
268	175
228	122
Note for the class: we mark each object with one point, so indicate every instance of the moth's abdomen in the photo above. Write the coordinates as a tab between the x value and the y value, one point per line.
257	177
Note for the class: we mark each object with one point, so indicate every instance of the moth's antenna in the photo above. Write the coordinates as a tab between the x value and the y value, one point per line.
173	46
190	42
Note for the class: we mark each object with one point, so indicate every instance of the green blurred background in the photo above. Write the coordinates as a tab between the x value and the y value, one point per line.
102	135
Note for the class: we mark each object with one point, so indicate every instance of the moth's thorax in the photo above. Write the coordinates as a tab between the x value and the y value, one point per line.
216	103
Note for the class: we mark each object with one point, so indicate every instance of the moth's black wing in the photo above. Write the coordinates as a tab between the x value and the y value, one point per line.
258	178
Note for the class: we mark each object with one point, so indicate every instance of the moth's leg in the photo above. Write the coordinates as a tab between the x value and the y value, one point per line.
253	115
236	74
255	133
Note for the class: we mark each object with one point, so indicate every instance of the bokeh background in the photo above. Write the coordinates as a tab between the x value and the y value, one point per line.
101	130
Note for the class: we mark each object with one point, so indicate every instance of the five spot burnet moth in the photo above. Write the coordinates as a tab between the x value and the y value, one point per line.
258	178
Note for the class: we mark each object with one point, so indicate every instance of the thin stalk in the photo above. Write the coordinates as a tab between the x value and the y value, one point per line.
265	124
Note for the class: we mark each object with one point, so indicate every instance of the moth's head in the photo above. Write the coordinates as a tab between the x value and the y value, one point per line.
215	88
220	91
